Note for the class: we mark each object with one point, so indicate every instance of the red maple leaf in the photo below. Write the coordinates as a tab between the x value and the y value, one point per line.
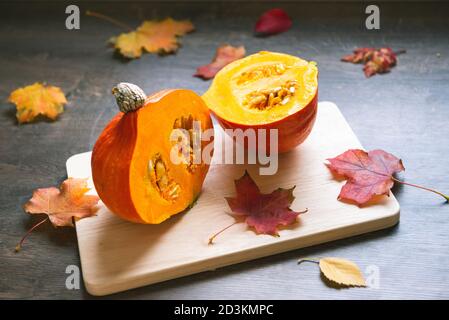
374	60
272	22
264	212
369	173
224	55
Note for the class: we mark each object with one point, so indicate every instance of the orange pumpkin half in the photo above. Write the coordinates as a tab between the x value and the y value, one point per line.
146	165
267	90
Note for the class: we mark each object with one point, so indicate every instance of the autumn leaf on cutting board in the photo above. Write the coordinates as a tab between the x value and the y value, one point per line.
272	22
37	99
342	272
264	212
369	174
152	36
225	54
62	204
374	60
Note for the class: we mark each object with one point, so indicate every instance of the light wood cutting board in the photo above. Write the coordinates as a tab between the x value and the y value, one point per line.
117	255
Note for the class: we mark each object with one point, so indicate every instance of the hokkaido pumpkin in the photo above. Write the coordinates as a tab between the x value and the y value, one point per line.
267	90
132	161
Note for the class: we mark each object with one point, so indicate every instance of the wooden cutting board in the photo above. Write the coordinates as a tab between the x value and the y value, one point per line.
117	255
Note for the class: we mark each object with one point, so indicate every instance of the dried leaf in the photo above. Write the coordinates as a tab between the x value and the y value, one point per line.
369	173
272	22
224	55
37	99
374	60
152	36
62	204
263	212
342	271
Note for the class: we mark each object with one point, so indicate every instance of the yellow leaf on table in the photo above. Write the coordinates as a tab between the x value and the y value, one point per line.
37	99
152	36
342	271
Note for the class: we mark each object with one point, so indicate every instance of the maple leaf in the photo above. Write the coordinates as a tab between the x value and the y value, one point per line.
374	60
343	272
37	99
264	212
63	204
272	22
224	55
152	36
369	173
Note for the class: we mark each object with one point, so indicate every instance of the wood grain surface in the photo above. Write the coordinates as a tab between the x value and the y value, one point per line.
405	112
117	255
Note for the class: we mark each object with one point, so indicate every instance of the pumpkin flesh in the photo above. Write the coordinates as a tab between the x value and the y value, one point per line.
267	90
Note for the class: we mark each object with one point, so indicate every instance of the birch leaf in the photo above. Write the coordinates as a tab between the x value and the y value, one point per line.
342	271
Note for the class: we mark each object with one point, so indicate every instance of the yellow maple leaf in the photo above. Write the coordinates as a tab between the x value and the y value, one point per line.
342	271
152	36
37	99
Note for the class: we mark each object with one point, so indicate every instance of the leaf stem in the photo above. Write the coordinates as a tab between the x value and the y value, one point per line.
109	19
212	238
19	245
421	187
309	260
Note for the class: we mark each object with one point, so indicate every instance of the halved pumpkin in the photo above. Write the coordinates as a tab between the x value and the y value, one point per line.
267	90
132	165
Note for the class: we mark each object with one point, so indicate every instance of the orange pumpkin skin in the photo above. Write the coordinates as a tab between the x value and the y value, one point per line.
124	150
112	153
227	97
292	130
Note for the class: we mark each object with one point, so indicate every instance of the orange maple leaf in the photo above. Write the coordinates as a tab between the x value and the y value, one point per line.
152	36
64	203
61	205
37	99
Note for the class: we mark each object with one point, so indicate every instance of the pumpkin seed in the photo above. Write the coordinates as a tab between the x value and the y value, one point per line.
268	98
159	175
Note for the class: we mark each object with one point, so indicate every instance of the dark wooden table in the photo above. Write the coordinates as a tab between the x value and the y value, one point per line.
405	112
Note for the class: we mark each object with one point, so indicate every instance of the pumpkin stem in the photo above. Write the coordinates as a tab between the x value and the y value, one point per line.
129	96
